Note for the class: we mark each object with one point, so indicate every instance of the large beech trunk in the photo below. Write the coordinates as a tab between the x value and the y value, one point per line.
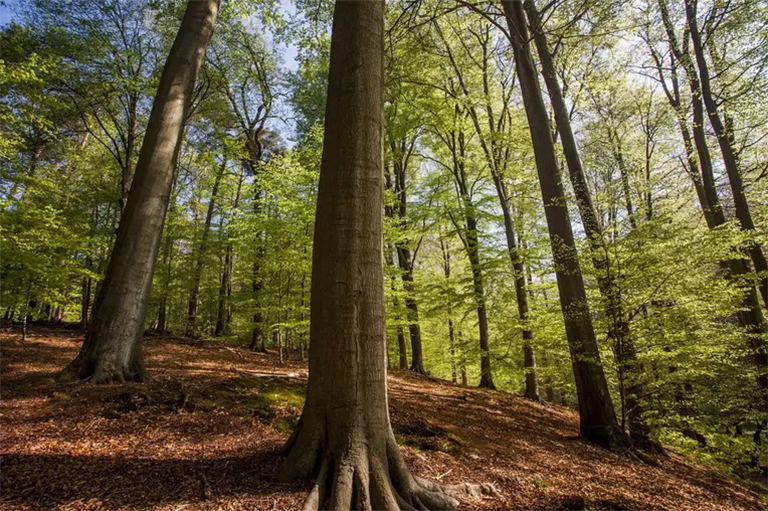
344	437
112	349
598	419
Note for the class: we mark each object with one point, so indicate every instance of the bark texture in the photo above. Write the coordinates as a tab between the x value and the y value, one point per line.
344	437
112	349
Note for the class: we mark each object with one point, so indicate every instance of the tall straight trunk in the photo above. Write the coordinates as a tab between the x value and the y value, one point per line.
406	265
112	349
598	419
198	272
751	317
727	144
344	436
619	331
451	337
457	144
529	355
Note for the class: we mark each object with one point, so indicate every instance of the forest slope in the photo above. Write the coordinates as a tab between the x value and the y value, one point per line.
205	432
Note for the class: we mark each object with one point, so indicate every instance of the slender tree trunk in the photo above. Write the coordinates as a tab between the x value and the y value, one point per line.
457	144
401	347
598	419
404	260
225	291
451	339
198	272
727	144
400	153
27	298
112	349
344	437
495	157
751	317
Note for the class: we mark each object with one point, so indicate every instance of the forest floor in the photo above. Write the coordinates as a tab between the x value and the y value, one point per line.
205	432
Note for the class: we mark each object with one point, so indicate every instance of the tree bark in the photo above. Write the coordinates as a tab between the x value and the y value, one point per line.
112	349
495	158
598	419
401	347
344	437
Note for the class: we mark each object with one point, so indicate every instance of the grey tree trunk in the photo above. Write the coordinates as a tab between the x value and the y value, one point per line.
619	331
598	419
113	349
344	437
495	156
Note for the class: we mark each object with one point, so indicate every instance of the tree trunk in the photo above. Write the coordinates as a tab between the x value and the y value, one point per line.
619	331
112	349
751	317
401	347
400	155
495	158
727	147
598	419
404	260
225	291
197	276
344	436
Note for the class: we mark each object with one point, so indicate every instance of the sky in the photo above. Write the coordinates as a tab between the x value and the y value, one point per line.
6	11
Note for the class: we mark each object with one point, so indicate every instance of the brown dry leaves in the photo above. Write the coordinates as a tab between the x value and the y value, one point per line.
191	440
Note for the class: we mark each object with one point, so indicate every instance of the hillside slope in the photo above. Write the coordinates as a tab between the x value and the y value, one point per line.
204	435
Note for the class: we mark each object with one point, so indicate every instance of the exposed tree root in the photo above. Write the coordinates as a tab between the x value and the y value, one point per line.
367	475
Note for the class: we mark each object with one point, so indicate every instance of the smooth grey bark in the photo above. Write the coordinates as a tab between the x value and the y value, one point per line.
344	437
198	271
401	347
619	330
596	412
113	349
456	142
451	337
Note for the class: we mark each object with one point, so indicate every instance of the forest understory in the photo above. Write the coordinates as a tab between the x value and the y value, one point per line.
205	432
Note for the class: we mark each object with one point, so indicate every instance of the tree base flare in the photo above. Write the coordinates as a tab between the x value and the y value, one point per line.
102	371
366	475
